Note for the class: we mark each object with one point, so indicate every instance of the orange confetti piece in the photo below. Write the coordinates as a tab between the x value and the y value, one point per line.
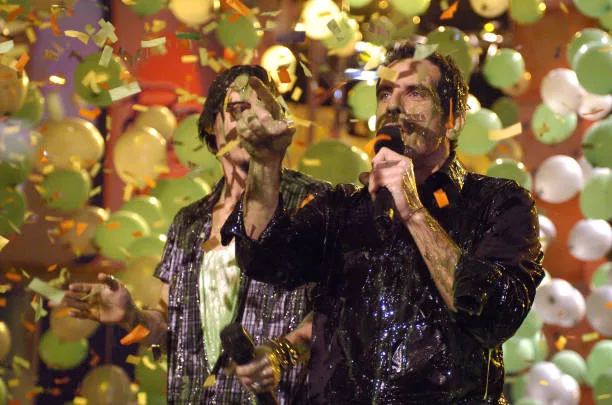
13	14
441	198
2	302
137	234
560	343
234	17
113	225
52	267
239	7
14	402
80	228
31	394
56	392
29	325
135	336
150	182
305	201
89	114
67	224
62	312
369	147
60	381
450	11
95	359
210	244
54	27
13	277
563	7
450	123
283	74
23	60
609	304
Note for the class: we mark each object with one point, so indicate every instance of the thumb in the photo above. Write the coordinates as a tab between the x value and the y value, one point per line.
230	369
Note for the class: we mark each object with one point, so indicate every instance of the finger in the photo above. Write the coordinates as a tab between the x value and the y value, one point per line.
264	94
110	281
83	315
76	304
230	369
81	287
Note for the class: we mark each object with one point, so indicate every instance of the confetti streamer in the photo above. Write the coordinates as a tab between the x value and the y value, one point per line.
81	36
296	93
55	295
450	11
105	57
2	302
228	146
505	133
153	42
335	29
239	7
441	198
23	60
131	359
6	46
89	114
124	91
136	335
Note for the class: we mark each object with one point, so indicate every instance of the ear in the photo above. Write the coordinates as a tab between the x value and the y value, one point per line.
453	132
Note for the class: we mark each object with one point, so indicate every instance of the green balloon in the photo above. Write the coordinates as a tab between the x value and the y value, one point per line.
190	150
602	275
334	161
32	110
541	347
606	20
597	144
12	210
359	3
527	11
120	230
552	128
66	190
571	363
152	245
152	381
59	355
454	43
601	388
474	136
379	31
583	37
596	196
507	168
530	326
598	361
144	8
175	194
3	393
410	7
150	208
504	69
348	33
106	384
519	354
529	401
507	110
517	387
592	64
90	64
362	100
17	150
592	8
242	31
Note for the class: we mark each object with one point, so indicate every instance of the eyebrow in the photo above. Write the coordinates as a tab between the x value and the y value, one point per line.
232	104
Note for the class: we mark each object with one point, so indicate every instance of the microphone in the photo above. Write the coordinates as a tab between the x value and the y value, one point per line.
238	344
390	136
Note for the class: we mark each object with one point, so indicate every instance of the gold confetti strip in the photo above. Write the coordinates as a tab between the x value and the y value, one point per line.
140	107
3	242
387	74
228	147
152	43
124	91
81	36
141	398
311	162
6	46
79	401
296	93
590	337
189	59
105	57
131	359
505	133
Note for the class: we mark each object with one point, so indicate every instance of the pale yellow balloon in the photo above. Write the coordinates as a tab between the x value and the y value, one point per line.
474	163
138	278
520	87
160	118
191	12
273	58
71	143
13	89
138	155
80	235
106	385
69	329
315	16
5	340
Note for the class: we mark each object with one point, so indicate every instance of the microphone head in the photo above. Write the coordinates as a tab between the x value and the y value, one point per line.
389	136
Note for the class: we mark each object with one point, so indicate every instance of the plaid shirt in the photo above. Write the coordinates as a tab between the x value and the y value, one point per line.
268	310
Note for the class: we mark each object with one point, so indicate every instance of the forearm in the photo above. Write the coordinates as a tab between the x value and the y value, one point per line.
301	337
261	197
155	321
440	253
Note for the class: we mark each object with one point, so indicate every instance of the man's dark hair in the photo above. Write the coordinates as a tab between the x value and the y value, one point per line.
452	87
216	99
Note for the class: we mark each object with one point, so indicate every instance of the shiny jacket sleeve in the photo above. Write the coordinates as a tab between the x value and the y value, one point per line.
496	277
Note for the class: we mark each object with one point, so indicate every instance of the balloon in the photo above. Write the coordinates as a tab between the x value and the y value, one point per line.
517	387
489	8
334	161
157	117
32	110
273	59
190	150
151	375
474	163
507	110
152	245
590	239
530	326
558	179
529	401
71	143
359	3
587	169
54	5
598	310
13	209
190	12
597	144
519	354
474	136
540	345
61	355
601	388
571	363
97	74
13	89
520	87
150	208
121	229
559	303
504	69
17	152
106	385
138	278
69	329
454	43
378	31
602	276
174	194
565	391
5	341
527	11
550	127
599	359
144	8
410	7
597	194
343	43
592	8
561	91
472	103
510	169
362	100
539	378
138	155
3	393
238	33
591	61
315	16
605	21
80	236
594	107
548	231
66	190
584	37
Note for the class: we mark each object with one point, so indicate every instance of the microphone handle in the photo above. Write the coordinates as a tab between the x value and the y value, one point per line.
383	204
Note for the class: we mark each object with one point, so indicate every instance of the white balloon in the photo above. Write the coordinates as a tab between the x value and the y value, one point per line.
315	16
191	12
598	313
273	58
587	168
561	91
565	391
558	179
489	8
594	107
559	303
539	379
590	239
548	231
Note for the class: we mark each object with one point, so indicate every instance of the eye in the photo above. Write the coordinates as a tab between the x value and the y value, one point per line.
383	94
237	108
417	92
